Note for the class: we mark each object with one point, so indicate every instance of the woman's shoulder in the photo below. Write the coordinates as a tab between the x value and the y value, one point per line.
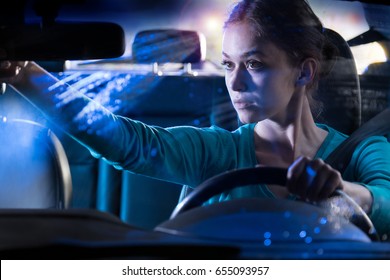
331	142
375	142
335	138
332	132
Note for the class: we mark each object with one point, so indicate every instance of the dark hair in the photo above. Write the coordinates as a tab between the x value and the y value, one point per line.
293	27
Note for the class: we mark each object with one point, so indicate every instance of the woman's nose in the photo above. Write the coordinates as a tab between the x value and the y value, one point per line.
238	81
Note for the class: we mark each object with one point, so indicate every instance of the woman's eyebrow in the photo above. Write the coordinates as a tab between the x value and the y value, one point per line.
253	52
225	54
247	54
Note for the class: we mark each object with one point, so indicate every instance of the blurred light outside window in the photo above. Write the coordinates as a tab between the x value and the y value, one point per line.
208	16
347	18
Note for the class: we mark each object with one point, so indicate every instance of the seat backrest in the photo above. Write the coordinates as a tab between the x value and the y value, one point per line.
340	90
375	92
34	171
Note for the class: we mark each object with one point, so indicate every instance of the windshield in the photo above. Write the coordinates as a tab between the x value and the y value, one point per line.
199	92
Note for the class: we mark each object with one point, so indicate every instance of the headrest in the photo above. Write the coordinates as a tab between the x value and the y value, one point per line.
168	45
340	89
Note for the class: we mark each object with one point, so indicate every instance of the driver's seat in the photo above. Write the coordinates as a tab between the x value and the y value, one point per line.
339	91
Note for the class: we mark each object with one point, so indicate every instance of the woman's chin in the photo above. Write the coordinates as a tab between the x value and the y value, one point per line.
251	118
246	120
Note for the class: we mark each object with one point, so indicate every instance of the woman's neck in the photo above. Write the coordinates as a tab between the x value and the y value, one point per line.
279	143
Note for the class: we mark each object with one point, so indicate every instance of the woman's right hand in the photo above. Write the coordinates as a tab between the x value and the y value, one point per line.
10	69
9	72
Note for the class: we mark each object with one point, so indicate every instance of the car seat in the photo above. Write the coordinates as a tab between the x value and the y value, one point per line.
34	170
339	91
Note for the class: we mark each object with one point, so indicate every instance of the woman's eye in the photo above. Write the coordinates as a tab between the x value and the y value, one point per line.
227	65
254	65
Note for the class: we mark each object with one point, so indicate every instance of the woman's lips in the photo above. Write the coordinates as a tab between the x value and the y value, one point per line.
242	104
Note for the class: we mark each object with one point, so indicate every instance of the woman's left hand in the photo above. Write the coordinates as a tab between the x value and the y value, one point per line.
313	180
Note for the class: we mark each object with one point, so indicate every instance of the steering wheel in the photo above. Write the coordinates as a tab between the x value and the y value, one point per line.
263	175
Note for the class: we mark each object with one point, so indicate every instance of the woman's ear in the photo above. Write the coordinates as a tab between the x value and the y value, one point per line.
308	69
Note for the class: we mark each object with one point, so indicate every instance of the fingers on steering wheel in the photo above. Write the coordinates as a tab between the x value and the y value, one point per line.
324	181
332	183
296	176
312	179
319	173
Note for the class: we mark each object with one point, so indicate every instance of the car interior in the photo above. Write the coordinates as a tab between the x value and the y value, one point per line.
56	199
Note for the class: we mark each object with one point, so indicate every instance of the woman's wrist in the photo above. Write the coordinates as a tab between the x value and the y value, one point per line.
360	194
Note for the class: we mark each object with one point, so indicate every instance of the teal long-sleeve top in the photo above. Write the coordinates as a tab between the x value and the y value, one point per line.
189	156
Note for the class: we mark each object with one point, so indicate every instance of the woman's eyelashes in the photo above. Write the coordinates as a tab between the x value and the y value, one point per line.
228	65
253	65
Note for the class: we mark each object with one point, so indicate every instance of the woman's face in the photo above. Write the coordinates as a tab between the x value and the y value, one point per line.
259	77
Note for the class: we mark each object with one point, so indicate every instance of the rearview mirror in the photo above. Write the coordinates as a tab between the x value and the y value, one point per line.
61	41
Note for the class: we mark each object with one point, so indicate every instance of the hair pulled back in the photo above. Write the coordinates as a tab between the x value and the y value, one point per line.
292	26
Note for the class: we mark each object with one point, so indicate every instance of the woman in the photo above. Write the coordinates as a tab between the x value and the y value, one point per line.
273	53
